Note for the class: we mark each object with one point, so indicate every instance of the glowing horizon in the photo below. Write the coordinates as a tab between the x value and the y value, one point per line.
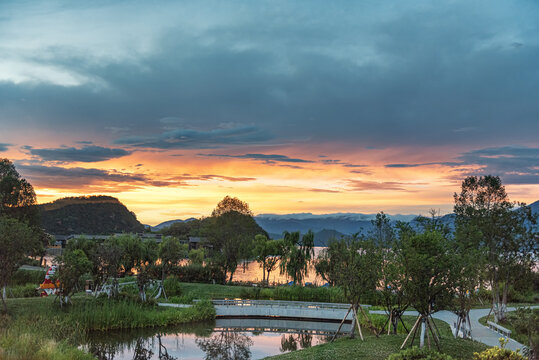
291	108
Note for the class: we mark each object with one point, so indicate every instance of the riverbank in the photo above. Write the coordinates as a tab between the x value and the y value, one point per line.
37	328
374	348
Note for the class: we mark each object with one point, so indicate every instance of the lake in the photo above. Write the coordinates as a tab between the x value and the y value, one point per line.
221	339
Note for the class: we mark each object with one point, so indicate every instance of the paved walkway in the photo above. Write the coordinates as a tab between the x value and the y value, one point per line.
480	333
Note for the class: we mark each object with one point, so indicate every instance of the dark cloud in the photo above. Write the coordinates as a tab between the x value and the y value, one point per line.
4	147
84	142
514	164
383	75
77	178
361	185
89	153
95	180
196	139
267	158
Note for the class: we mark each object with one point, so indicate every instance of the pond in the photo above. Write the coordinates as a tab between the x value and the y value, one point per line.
222	339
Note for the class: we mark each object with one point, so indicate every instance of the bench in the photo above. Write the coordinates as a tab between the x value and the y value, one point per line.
499	329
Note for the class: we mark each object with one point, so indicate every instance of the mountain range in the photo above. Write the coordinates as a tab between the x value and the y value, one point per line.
326	226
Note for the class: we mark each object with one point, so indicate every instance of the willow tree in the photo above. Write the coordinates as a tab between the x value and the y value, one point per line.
267	253
297	255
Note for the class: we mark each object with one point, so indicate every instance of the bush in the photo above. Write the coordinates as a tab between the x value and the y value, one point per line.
173	287
22	291
497	353
23	277
415	353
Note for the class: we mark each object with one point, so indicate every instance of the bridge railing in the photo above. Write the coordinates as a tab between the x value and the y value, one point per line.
282	303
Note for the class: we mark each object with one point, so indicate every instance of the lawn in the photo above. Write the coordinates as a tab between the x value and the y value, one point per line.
380	348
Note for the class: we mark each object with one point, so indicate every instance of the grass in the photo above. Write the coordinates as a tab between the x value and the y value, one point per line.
50	332
293	293
380	348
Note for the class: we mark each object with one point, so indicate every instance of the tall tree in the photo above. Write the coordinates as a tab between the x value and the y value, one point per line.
297	255
231	236
428	263
71	266
355	267
171	252
507	235
231	204
17	241
17	196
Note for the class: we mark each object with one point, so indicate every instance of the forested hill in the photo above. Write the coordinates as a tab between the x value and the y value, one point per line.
88	215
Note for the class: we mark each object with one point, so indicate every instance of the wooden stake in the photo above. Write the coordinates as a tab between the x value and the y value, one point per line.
358	326
410	333
390	323
342	322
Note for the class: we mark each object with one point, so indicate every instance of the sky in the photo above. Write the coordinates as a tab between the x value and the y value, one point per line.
291	106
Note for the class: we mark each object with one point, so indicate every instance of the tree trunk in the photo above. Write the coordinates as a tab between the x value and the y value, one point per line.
422	336
263	273
231	275
354	319
4	299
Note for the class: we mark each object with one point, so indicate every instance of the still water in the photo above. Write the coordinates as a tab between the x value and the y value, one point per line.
224	339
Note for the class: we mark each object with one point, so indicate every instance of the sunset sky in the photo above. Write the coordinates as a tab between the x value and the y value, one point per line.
319	106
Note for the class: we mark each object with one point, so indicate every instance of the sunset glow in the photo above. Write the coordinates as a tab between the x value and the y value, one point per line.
169	108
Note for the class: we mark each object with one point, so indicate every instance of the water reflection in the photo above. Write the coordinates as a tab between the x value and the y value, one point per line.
224	339
226	345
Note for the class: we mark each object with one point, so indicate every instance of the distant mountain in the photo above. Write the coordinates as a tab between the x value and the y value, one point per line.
90	215
329	225
168	223
344	223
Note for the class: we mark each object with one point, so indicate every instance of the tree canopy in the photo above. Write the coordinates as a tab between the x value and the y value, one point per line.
17	196
231	204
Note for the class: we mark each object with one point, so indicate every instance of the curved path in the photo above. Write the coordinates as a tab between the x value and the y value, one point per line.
480	333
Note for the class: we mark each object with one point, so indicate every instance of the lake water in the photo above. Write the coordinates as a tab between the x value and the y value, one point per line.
223	339
252	272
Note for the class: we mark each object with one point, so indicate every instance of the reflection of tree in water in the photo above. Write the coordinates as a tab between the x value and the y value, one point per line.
103	351
143	350
226	345
291	342
163	353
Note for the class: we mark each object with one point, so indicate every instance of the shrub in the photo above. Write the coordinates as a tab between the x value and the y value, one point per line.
415	353
23	277
172	287
28	290
497	353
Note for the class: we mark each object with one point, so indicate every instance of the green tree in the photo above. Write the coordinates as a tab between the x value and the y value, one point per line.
171	252
356	269
468	267
428	264
505	237
17	241
297	255
145	265
231	236
231	204
71	266
17	196
267	253
133	250
196	256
